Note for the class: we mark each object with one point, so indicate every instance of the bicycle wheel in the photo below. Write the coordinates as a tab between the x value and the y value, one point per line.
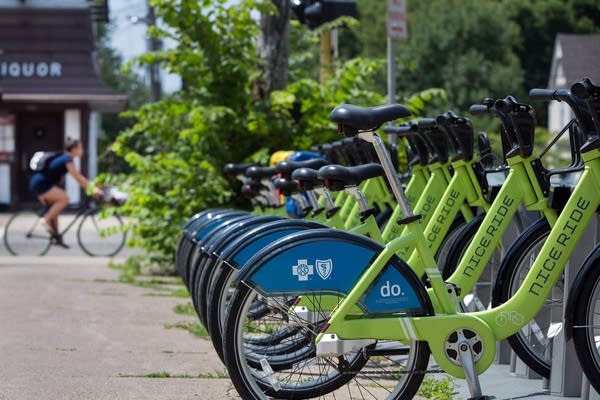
585	306
101	236
24	235
448	242
481	296
386	370
531	342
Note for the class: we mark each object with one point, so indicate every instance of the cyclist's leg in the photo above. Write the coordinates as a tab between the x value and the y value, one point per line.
57	200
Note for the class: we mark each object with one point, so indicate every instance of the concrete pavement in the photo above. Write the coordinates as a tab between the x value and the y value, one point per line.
69	330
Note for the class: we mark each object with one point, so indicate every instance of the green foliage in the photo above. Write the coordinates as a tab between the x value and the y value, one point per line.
472	48
185	309
195	328
438	389
463	46
177	147
174	173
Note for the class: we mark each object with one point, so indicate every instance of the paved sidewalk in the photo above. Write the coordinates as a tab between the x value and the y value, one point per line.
68	330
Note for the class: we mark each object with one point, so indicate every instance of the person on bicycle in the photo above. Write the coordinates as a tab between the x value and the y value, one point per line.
45	184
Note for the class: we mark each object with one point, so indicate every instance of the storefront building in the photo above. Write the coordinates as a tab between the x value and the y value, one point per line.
50	90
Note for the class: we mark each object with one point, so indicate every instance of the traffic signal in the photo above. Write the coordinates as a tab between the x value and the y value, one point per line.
317	12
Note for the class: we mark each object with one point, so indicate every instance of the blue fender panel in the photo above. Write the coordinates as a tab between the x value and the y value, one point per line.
227	235
246	247
219	220
325	261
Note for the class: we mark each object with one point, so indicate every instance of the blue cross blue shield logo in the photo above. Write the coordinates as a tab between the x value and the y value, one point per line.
324	268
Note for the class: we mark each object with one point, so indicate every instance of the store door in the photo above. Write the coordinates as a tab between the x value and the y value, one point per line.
35	132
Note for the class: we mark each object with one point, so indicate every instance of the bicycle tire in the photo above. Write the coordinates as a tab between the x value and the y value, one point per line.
584	303
255	384
224	276
529	347
18	227
447	244
107	234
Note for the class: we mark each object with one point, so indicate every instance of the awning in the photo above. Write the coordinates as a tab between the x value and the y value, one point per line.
46	56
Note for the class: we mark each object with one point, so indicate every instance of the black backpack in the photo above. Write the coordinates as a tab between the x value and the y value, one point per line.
40	161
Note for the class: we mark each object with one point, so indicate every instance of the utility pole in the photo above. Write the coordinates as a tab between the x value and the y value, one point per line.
326	57
396	30
154	44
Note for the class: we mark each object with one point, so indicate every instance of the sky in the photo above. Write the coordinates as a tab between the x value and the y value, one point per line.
129	39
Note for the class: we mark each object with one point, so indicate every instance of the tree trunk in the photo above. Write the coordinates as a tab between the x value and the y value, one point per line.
274	49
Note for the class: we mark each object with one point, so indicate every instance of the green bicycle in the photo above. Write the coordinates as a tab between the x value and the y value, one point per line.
386	312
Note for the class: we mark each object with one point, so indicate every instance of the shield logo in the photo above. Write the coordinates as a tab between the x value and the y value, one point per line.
324	268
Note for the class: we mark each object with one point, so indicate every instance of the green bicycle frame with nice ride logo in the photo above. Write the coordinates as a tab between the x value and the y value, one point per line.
453	194
491	325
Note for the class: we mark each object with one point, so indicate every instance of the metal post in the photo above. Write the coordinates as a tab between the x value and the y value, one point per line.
391	71
154	44
391	81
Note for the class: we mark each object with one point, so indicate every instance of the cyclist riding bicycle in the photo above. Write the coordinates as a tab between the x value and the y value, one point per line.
45	184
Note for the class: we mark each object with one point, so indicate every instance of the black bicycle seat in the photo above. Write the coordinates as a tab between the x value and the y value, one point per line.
307	178
286	168
352	119
236	169
249	191
287	187
337	177
260	172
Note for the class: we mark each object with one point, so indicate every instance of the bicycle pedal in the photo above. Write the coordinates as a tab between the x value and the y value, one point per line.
58	242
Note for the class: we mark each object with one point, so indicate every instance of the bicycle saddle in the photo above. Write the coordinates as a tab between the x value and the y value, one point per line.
357	118
286	168
260	172
236	169
337	177
307	178
251	189
286	187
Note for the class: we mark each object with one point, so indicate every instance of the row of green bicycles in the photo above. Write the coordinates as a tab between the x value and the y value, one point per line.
390	274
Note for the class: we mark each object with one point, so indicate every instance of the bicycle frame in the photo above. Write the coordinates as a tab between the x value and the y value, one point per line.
490	325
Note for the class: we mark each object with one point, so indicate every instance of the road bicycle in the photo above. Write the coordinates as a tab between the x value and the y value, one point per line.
386	313
97	234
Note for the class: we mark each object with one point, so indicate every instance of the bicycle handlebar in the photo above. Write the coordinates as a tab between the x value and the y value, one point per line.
427	123
585	89
549	94
510	105
583	114
480	109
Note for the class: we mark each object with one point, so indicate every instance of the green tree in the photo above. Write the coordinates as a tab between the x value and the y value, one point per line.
177	146
540	21
462	46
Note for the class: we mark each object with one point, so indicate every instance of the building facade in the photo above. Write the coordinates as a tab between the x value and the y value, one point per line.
50	90
574	57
